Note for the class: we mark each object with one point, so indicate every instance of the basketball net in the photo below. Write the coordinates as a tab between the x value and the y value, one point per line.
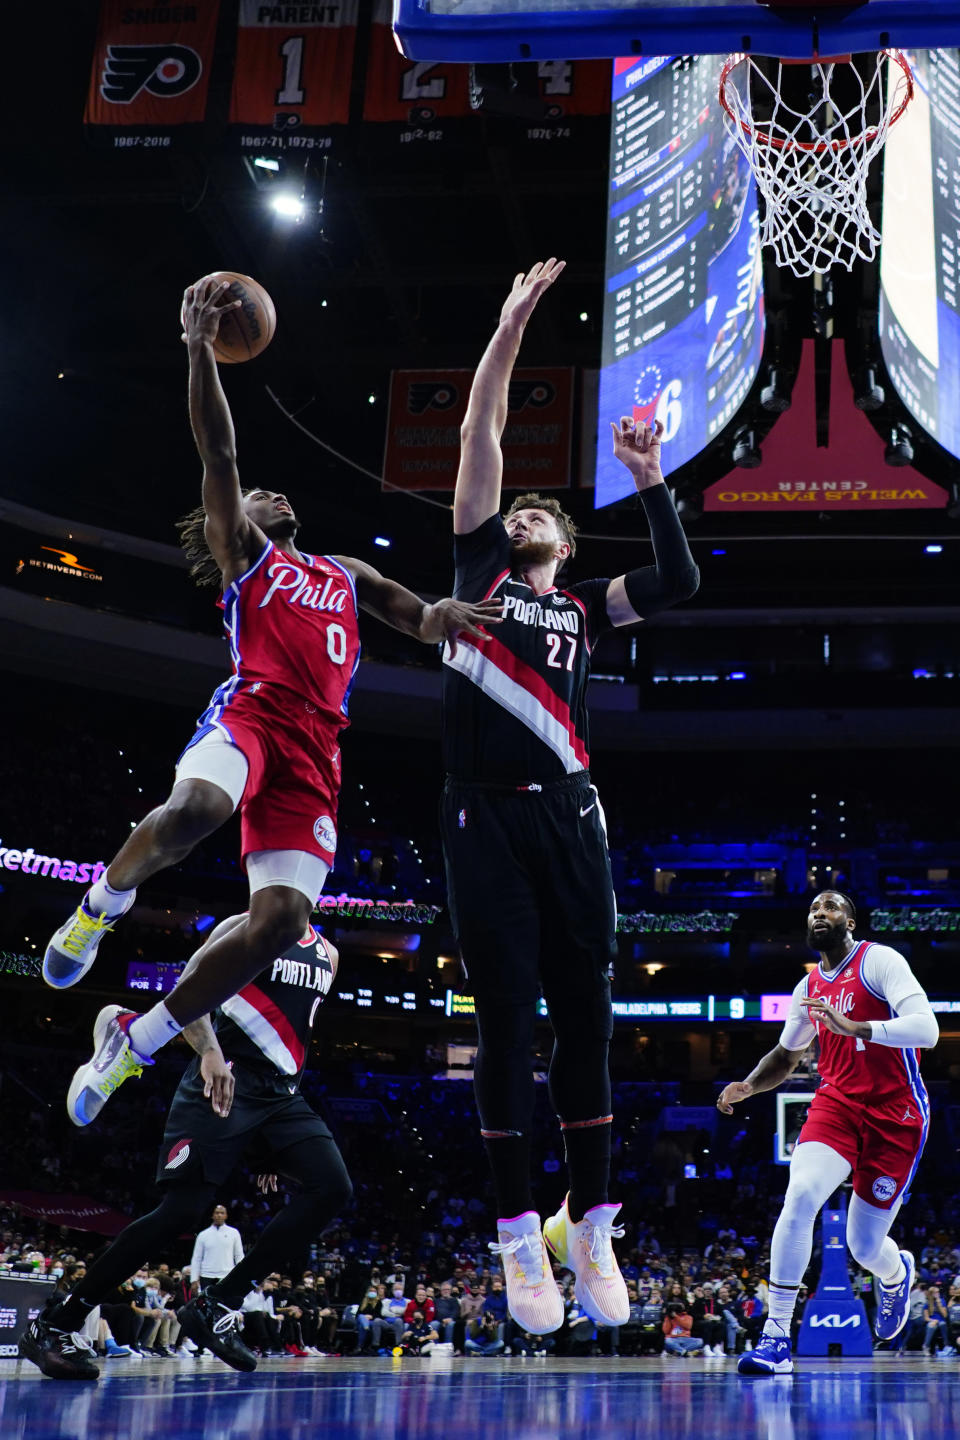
812	164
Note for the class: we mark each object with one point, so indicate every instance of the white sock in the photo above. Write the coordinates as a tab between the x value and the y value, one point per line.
102	899
151	1031
782	1301
898	1277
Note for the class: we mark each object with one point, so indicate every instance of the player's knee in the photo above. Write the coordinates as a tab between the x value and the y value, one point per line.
583	1019
278	918
192	811
803	1199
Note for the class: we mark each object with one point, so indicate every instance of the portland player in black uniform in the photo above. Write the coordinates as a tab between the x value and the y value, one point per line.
528	873
240	1092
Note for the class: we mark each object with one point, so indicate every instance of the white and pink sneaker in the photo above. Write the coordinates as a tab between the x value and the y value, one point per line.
532	1295
586	1248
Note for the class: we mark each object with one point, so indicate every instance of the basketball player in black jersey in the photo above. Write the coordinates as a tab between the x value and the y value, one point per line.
240	1092
528	873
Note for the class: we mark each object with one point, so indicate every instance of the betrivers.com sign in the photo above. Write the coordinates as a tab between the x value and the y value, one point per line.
30	862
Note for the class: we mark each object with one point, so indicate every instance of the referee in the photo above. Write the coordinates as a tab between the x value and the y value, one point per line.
527	868
216	1250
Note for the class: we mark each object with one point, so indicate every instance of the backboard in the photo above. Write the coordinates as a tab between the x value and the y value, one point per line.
501	31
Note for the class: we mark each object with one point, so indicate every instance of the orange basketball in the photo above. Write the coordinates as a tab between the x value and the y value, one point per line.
248	329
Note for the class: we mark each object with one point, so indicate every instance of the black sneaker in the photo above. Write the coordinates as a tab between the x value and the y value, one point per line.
210	1324
57	1353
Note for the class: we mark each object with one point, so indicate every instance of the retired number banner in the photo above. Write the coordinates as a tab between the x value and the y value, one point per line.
423	429
292	73
407	91
151	71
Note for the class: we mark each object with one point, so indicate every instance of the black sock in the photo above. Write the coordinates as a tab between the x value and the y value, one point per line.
509	1157
588	1165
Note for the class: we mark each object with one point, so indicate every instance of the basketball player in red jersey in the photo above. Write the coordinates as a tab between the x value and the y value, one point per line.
869	1117
528	872
268	742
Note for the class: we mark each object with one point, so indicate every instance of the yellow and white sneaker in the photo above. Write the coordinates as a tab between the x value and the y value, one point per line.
586	1248
113	1061
532	1295
73	948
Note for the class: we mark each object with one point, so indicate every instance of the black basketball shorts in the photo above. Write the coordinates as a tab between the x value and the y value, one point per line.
529	888
268	1116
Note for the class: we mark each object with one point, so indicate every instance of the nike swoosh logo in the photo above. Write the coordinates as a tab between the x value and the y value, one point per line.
587	810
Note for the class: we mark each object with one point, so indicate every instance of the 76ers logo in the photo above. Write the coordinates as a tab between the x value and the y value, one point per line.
163	70
325	833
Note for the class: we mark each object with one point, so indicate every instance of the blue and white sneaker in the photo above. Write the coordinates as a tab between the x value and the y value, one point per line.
73	948
770	1356
893	1306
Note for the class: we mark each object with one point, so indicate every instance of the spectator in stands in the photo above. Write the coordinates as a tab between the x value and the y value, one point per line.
935	1320
483	1337
916	1328
651	1324
421	1302
953	1321
446	1312
495	1303
707	1322
388	1328
155	1334
369	1310
419	1337
727	1306
261	1328
630	1333
677	1328
580	1329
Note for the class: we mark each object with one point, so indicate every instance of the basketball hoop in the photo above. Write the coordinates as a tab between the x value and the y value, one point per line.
812	156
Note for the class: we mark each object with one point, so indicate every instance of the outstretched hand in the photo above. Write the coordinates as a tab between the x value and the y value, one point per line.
638	447
527	289
203	304
736	1091
448	619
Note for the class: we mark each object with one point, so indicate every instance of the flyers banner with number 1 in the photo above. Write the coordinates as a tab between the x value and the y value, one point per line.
292	74
151	71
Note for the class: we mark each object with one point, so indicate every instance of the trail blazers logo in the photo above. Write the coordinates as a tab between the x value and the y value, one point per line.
163	70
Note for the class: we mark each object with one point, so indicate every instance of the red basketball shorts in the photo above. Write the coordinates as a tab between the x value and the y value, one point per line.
290	798
882	1140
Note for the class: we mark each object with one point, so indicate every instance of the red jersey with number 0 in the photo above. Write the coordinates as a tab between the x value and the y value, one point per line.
856	1069
292	622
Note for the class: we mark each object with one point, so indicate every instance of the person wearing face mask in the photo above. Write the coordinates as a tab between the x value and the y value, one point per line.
368	1311
388	1329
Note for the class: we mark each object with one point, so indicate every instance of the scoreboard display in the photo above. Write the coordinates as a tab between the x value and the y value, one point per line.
683	308
920	256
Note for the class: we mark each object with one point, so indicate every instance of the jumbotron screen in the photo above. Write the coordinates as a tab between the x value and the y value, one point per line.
683	308
920	258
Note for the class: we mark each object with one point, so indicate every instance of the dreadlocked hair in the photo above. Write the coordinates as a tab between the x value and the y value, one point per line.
204	570
565	523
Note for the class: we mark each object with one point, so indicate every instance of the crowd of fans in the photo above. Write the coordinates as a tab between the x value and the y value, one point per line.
408	1268
683	1303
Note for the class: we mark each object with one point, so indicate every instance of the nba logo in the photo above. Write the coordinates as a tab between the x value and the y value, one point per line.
462	819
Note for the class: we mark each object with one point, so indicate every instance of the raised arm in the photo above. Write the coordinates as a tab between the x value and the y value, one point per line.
477	495
674	575
432	624
233	540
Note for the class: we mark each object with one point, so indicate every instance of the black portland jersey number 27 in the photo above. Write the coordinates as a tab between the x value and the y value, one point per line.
515	705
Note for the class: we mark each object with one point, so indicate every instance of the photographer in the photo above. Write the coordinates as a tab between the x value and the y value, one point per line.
677	1327
483	1336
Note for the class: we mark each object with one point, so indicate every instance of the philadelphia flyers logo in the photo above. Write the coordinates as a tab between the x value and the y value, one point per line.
530	392
163	70
430	395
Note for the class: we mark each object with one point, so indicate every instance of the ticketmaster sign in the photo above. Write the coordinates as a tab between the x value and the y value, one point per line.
29	862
